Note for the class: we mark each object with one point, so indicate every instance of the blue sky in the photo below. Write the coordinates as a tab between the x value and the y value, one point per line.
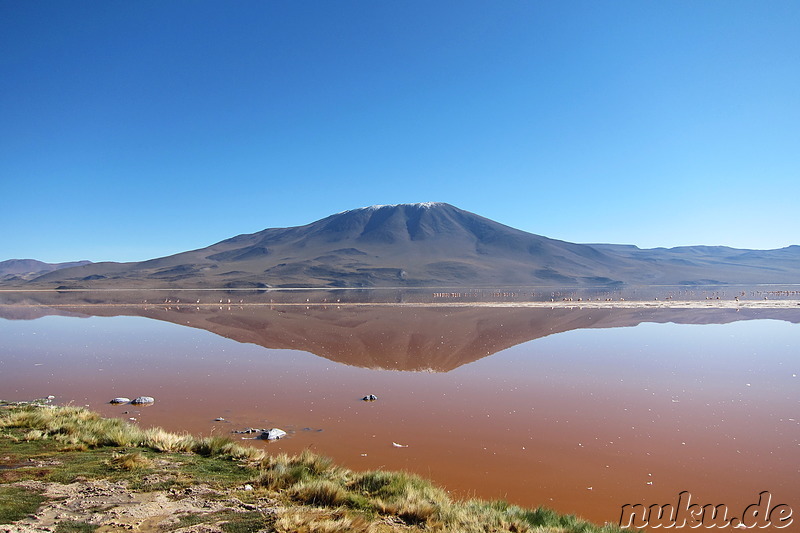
132	130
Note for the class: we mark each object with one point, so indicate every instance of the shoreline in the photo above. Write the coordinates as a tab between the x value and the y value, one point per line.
588	304
67	467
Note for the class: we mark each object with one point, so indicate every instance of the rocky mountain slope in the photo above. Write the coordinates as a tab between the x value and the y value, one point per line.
429	244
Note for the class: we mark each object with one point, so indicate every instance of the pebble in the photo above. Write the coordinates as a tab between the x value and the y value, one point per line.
250	430
143	399
273	434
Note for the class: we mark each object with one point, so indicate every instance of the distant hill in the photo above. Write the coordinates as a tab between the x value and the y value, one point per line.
428	244
25	269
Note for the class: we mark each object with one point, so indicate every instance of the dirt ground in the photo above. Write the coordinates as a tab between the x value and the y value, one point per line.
114	507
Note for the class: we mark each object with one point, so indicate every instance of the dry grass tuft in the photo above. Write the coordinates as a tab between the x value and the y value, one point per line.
304	520
33	435
131	461
164	441
321	492
283	471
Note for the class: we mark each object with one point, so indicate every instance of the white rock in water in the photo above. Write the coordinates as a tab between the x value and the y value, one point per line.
120	400
143	399
273	434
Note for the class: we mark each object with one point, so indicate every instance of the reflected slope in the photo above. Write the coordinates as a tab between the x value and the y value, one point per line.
414	338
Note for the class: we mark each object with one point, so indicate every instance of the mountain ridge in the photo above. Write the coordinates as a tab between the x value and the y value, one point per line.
25	269
426	244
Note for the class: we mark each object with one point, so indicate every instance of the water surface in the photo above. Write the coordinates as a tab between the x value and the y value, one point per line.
582	410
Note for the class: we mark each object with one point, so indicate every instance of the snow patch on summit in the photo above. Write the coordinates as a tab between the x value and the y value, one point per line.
423	205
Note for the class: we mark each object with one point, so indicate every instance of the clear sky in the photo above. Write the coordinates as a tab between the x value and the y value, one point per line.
132	130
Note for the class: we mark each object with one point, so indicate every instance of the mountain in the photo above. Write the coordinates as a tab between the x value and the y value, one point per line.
428	244
25	269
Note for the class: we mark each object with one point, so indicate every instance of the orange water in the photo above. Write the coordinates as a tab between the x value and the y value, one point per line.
584	418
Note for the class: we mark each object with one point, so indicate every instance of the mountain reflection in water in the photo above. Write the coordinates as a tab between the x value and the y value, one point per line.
413	338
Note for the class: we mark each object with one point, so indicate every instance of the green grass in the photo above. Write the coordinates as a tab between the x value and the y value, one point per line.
17	503
230	522
215	471
313	493
71	526
245	523
188	520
